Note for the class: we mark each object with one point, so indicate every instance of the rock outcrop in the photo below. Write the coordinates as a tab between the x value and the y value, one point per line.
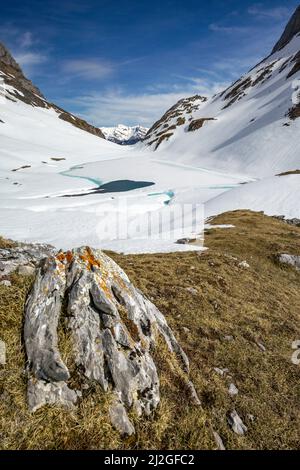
22	258
292	28
291	260
180	114
114	330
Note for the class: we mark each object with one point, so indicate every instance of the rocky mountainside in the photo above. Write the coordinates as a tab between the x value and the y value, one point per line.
15	86
292	29
179	115
125	135
251	127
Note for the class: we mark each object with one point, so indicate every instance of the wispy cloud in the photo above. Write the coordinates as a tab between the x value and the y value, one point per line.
89	69
116	106
28	59
228	29
276	13
26	39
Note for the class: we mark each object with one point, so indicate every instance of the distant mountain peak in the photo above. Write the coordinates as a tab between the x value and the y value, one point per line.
125	135
291	30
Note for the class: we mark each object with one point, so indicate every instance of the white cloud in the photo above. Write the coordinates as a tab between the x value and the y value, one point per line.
228	29
115	106
28	59
276	13
26	39
88	69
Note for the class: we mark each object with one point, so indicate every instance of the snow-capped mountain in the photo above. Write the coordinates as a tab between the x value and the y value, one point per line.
252	127
125	135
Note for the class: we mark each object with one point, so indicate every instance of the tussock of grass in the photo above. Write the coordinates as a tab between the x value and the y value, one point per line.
6	243
258	305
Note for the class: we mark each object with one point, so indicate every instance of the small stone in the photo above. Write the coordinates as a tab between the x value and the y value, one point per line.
192	290
219	441
236	423
244	265
2	353
261	347
291	260
5	283
26	270
233	390
186	241
220	371
228	338
193	394
119	419
185	329
251	417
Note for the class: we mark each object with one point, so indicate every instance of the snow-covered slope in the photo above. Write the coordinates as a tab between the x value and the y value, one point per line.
125	135
277	195
63	185
252	127
54	180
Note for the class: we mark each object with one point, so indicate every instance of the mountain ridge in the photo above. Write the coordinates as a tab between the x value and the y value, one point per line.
17	86
292	28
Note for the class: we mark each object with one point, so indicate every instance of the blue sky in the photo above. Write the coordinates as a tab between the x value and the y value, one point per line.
127	61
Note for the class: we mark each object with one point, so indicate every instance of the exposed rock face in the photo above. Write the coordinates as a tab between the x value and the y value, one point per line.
291	260
13	73
198	123
292	28
23	258
114	329
180	114
236	423
20	88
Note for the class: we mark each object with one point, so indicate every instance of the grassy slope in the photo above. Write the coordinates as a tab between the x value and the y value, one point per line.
260	304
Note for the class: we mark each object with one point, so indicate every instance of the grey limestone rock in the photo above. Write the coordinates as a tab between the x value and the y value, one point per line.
113	327
236	423
291	260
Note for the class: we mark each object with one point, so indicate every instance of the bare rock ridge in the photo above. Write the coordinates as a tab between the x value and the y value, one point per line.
12	73
18	87
178	115
292	28
113	329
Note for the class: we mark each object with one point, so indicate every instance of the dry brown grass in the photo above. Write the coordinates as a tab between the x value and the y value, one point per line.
260	304
6	243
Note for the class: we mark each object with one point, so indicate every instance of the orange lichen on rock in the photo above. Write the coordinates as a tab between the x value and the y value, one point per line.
65	257
89	259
